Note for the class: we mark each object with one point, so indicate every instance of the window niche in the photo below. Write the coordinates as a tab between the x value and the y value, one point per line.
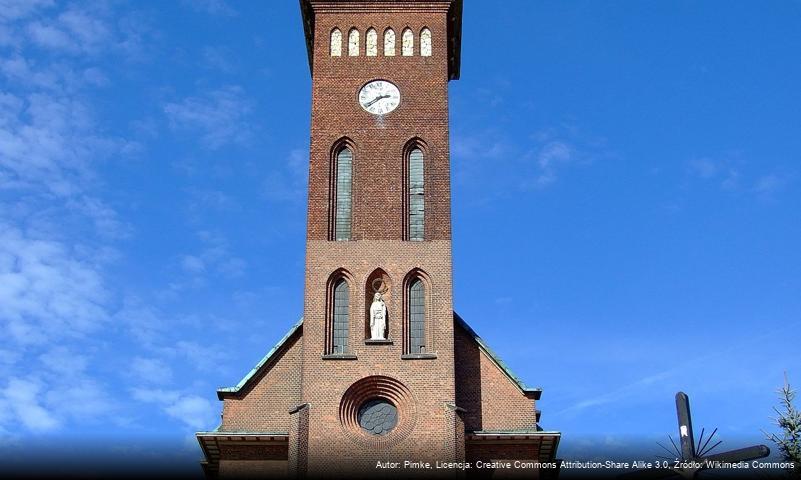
338	315
340	197
371	43
353	43
407	45
425	42
389	42
336	43
417	326
414	190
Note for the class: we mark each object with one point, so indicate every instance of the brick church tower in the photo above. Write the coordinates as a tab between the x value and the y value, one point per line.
379	369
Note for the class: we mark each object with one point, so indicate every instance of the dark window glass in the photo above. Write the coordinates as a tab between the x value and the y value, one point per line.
343	207
340	324
378	416
416	196
417	317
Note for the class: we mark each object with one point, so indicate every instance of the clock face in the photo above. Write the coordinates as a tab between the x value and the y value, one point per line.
379	97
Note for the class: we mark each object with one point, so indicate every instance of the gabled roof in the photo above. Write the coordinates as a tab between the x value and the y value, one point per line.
534	393
223	392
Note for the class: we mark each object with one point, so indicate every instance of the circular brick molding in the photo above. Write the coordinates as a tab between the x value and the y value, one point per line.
382	403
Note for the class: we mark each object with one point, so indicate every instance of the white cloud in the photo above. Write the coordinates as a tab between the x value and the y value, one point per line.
769	184
194	411
151	370
45	291
733	174
212	7
552	156
218	116
63	361
288	182
193	264
23	398
11	10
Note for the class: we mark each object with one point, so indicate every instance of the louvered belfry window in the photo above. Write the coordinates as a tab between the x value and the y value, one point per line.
416	195
417	317
340	323
344	204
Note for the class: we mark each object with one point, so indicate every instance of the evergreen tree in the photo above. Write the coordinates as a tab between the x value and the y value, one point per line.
789	421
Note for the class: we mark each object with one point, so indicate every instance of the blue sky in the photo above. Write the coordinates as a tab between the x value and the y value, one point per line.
626	208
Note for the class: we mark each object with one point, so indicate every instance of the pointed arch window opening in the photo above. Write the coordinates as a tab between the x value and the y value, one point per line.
417	314
371	43
389	43
353	43
425	42
336	43
407	46
343	207
416	193
340	311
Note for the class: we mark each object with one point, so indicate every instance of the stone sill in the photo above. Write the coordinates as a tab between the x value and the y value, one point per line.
339	356
370	341
419	356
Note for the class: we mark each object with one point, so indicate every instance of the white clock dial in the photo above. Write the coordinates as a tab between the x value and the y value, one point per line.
379	97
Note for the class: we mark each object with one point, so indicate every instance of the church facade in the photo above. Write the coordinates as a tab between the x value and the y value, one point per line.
380	370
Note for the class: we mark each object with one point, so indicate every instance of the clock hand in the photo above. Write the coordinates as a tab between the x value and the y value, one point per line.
380	97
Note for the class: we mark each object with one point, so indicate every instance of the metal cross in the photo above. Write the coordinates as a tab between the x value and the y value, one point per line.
693	461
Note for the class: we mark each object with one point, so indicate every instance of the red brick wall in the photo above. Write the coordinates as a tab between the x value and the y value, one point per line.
492	400
265	405
379	141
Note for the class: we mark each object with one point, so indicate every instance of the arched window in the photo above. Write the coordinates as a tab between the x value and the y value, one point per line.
340	324
336	43
417	317
407	49
416	195
389	43
353	43
343	204
371	47
425	42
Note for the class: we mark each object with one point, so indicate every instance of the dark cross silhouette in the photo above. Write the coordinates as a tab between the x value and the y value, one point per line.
693	459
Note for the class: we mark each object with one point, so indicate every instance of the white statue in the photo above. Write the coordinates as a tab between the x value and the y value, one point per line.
378	318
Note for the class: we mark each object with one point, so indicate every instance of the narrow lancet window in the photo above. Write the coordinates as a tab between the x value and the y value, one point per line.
343	207
425	43
417	317
389	43
408	43
336	43
353	43
371	46
340	311
416	200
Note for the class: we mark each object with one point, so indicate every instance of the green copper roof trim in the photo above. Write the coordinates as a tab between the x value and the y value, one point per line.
231	390
515	432
534	392
249	433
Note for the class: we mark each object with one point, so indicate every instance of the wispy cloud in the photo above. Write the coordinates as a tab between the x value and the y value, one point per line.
47	289
287	181
734	174
193	411
23	398
219	116
211	7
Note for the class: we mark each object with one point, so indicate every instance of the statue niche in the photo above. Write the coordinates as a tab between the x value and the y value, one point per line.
377	293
